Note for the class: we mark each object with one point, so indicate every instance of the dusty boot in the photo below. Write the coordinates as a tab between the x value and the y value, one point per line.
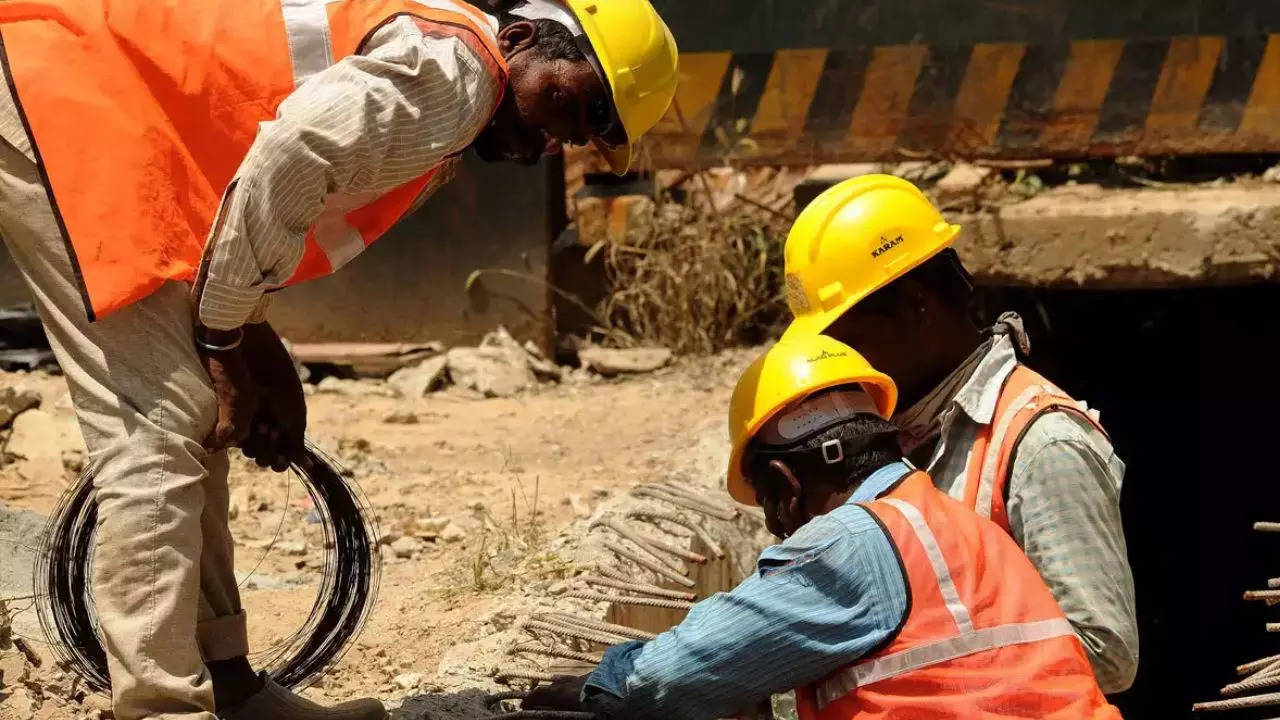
273	702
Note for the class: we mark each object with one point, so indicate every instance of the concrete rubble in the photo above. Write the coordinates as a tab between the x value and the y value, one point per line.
618	361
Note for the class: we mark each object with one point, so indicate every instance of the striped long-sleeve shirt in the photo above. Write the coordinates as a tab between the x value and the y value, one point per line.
1063	499
367	124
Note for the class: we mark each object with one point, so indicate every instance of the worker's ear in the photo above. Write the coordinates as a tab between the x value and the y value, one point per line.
516	37
790	506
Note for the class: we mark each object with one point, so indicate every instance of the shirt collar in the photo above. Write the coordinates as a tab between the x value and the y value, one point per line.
879	482
978	396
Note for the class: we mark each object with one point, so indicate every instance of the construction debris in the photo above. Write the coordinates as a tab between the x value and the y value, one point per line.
420	379
14	402
615	361
365	359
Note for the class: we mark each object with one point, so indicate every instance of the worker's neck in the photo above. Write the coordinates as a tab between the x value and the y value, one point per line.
948	346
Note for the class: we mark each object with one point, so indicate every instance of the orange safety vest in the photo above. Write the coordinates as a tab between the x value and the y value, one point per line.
1024	397
982	638
141	113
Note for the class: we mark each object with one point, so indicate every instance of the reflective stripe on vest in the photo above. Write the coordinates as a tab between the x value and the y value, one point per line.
946	585
983	484
888	666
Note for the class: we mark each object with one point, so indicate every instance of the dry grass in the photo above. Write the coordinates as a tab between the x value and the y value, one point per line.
696	280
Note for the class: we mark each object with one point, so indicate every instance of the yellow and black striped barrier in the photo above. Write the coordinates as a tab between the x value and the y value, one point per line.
1045	97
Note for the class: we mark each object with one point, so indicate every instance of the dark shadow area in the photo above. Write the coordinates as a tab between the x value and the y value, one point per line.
1186	382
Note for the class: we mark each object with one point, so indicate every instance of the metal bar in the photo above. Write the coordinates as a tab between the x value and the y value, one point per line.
626	600
1238	703
644	562
603	626
1267	526
639	588
682	521
1251	684
579	633
694	495
665	496
513	673
556	652
642	542
1256	665
1261	594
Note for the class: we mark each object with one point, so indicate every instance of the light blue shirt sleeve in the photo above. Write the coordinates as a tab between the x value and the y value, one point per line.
826	596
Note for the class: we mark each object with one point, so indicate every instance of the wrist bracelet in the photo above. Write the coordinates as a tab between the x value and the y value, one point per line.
221	348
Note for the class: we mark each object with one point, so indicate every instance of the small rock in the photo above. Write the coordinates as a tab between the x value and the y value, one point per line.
37	435
294	548
580	506
558	588
408	681
14	402
611	361
401	417
1272	174
961	184
406	547
432	526
452	533
73	461
420	379
353	388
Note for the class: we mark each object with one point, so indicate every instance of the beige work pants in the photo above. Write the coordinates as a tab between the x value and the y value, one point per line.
162	578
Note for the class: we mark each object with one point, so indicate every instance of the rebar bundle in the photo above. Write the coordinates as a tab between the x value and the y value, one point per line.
1260	674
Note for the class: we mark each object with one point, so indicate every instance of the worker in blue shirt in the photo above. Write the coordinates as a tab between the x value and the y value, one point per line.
885	598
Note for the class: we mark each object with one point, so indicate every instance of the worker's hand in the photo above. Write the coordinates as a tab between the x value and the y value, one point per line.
238	395
277	434
562	694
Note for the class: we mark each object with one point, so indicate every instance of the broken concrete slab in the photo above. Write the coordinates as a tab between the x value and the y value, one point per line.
491	371
960	186
418	380
618	361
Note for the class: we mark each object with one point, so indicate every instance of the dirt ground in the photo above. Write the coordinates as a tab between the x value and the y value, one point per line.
522	468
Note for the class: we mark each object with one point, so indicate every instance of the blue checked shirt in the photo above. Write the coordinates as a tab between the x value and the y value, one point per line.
825	597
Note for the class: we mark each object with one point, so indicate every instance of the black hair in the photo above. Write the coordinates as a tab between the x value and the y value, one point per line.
943	274
553	41
879	447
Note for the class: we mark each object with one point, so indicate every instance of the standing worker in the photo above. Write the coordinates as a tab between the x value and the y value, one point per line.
869	263
885	598
165	164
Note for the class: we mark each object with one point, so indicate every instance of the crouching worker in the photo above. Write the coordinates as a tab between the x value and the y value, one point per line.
885	598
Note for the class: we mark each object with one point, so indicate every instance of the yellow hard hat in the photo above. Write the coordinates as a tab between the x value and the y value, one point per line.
789	372
639	59
854	239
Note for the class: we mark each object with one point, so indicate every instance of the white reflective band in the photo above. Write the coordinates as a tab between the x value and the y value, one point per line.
339	241
956	646
987	483
958	611
306	23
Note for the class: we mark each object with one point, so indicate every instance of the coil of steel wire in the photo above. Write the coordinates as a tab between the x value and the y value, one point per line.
348	586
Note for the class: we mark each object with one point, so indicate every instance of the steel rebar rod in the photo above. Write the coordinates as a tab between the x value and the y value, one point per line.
644	562
678	489
1256	665
680	501
555	652
1261	594
1268	671
682	553
641	542
510	673
682	521
1251	684
610	571
603	626
1267	526
627	600
1239	703
573	632
638	588
543	715
1273	627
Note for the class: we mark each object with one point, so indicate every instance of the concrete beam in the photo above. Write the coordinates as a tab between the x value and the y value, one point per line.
1088	236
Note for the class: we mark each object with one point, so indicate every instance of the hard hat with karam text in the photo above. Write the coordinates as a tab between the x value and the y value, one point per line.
784	376
638	57
854	239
